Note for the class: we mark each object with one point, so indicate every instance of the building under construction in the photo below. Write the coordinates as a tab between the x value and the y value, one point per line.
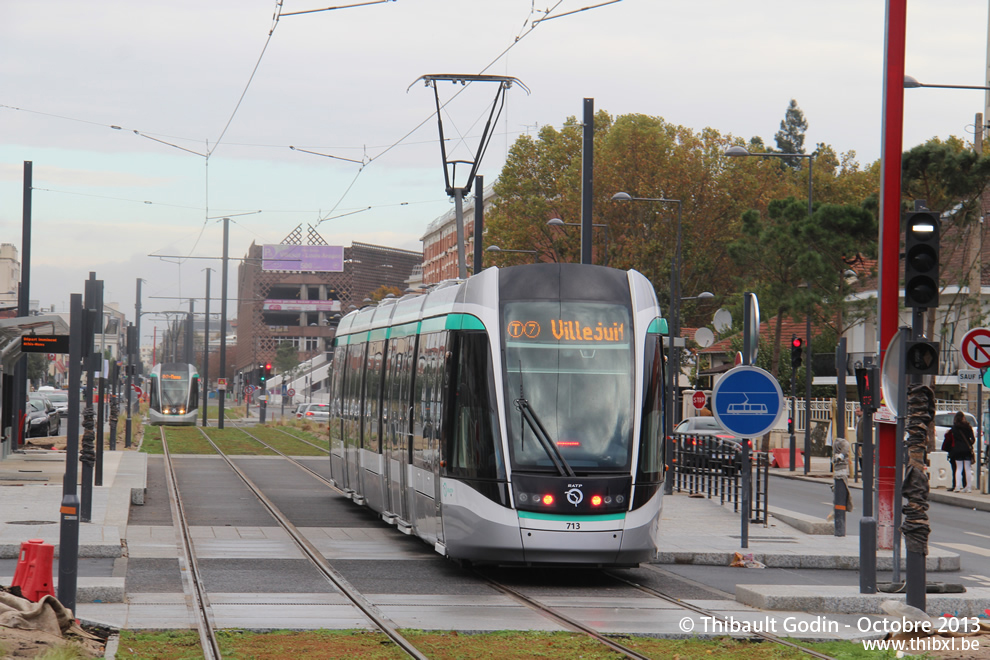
297	294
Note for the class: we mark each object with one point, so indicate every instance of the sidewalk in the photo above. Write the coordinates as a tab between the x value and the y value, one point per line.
693	530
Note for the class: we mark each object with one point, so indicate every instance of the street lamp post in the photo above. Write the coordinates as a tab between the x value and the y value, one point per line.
736	152
497	250
675	331
557	222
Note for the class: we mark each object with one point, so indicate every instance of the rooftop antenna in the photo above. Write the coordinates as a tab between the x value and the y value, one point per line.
450	166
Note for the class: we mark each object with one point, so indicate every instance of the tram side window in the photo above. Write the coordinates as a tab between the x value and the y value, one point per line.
352	395
473	450
373	396
651	433
193	395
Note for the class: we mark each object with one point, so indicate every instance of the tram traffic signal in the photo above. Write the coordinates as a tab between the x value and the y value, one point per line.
797	350
268	371
921	358
921	248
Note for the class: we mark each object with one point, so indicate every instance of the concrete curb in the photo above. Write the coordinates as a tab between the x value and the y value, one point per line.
934	563
91	589
99	550
847	600
803	522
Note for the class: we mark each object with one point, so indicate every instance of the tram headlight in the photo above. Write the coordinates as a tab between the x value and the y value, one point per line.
619	499
523	497
596	500
548	499
608	499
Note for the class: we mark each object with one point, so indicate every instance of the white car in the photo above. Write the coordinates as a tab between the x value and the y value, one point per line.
943	422
313	411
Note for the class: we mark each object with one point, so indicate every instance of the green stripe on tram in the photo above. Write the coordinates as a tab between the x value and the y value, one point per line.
379	333
658	327
571	518
464	322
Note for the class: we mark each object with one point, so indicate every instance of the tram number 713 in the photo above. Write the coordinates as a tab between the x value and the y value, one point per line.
573	525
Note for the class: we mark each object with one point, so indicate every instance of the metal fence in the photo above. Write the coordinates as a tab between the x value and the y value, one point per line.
712	467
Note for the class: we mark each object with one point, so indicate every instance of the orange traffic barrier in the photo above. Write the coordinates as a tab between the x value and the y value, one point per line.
782	458
34	569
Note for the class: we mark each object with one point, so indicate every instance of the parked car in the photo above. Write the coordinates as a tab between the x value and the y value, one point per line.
40	417
313	411
700	437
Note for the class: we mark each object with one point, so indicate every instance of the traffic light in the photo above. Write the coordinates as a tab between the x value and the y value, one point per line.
268	370
790	425
868	387
921	247
261	375
921	358
797	350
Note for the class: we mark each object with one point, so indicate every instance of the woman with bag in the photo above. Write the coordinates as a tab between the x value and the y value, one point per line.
961	452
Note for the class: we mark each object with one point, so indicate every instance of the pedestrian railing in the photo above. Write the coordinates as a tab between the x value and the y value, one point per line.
712	467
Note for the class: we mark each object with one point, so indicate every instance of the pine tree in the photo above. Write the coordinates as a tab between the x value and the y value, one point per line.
790	137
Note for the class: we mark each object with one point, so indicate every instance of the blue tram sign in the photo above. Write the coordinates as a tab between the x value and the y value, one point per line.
747	401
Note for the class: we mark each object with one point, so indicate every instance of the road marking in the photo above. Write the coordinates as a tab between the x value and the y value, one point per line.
965	547
982	536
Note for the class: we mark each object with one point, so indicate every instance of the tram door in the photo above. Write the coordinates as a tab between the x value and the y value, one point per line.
397	432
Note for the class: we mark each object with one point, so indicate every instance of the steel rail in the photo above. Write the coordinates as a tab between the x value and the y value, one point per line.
201	604
564	620
314	555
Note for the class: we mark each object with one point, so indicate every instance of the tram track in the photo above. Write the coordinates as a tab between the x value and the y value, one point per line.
208	636
548	611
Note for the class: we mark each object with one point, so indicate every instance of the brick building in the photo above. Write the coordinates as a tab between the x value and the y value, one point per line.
440	241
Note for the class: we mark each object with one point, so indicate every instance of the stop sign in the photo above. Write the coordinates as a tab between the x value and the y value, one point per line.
699	400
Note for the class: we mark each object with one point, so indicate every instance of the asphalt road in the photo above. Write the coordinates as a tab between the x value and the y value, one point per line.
960	530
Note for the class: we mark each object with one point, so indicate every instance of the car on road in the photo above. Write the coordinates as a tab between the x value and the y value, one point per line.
59	399
313	411
40	417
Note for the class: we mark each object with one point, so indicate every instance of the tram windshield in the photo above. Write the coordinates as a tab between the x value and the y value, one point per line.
571	365
175	387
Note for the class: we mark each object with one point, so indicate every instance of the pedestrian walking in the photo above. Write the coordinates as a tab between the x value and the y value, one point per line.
958	443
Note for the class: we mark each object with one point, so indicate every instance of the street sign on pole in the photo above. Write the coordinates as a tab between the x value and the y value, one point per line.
975	348
699	400
747	401
291	392
968	376
221	384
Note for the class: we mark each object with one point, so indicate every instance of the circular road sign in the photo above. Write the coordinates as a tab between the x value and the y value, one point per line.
976	348
699	399
747	401
291	392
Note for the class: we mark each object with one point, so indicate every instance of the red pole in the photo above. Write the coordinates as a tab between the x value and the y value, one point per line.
890	244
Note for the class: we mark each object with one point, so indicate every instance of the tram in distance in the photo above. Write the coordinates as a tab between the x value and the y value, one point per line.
511	418
173	394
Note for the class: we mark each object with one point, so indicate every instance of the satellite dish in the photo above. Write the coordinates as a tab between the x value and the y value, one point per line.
722	320
704	337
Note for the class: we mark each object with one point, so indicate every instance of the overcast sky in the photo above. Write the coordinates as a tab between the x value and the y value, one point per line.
176	78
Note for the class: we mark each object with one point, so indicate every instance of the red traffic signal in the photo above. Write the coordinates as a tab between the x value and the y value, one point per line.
797	346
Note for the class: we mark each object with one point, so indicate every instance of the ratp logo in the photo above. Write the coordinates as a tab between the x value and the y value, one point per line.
446	491
574	496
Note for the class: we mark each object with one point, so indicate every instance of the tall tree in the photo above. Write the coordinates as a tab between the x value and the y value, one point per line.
809	253
790	137
950	179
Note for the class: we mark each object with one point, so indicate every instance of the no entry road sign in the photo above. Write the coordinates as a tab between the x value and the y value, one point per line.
976	348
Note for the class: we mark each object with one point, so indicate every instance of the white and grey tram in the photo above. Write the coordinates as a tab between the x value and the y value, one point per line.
514	417
173	394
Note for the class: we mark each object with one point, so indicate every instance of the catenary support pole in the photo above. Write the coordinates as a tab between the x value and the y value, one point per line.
68	561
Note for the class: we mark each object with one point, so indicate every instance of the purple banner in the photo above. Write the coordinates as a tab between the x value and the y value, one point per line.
307	258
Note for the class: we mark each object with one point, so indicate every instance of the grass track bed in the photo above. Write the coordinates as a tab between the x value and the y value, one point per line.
235	442
181	440
284	443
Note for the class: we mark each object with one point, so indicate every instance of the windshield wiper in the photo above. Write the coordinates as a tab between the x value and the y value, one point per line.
541	434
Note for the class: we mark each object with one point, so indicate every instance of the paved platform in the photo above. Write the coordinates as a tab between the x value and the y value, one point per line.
694	530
